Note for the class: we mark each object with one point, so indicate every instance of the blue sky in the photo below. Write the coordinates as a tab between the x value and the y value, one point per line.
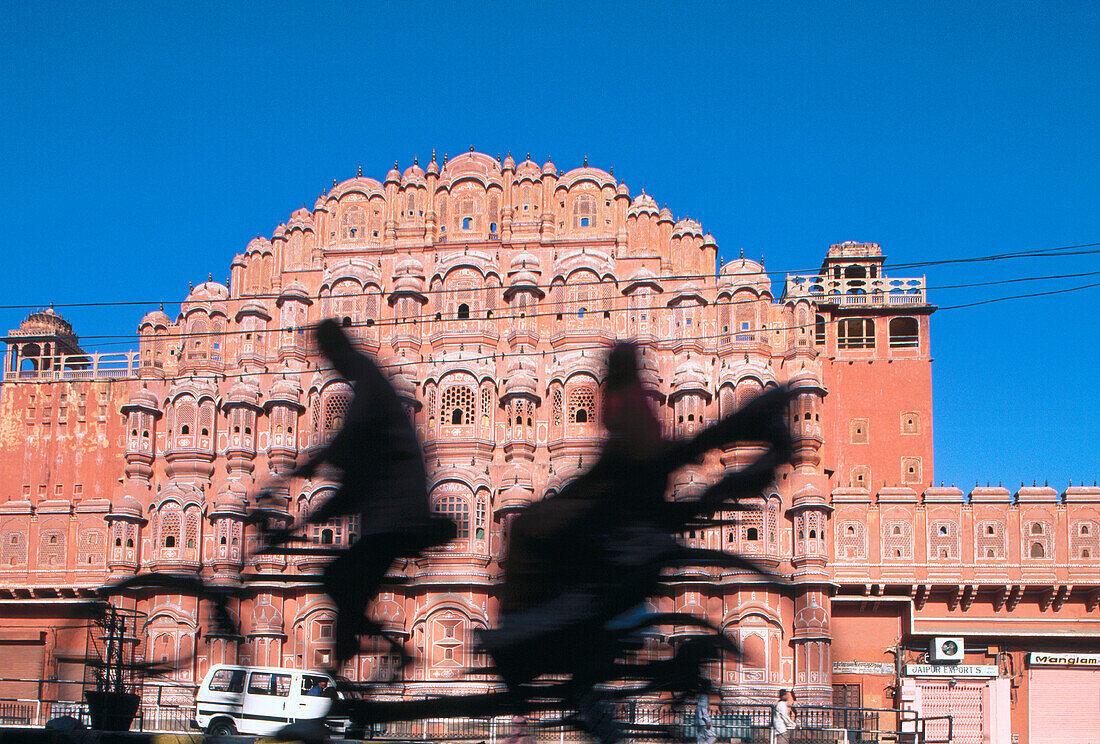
143	145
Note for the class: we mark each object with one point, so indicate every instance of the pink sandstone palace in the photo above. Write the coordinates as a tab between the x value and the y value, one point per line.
490	290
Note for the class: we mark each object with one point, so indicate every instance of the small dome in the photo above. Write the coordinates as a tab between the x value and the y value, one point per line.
433	167
244	390
403	383
686	227
46	323
394	174
804	378
521	379
622	190
708	240
126	505
665	215
208	292
156	318
232	500
414	174
525	261
643	204
549	169
745	272
284	390
509	163
254	307
528	169
142	399
690	377
648	371
295	290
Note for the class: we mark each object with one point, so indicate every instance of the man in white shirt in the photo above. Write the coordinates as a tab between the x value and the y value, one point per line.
782	723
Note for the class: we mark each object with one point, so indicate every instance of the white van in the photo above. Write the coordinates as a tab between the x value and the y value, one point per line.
261	700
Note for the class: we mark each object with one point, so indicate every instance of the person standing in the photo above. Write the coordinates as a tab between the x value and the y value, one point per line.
782	723
704	721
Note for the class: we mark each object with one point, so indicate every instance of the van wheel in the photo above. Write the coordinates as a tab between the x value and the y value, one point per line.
221	727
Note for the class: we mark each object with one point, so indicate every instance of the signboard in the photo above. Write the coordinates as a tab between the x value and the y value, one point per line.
1042	658
862	667
951	670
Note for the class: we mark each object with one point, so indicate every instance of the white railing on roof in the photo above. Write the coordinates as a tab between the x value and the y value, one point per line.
95	366
849	291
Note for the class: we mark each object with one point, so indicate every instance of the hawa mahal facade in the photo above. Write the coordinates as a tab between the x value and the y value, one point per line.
490	290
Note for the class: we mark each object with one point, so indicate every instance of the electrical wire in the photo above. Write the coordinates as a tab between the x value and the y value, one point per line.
494	355
561	307
1068	250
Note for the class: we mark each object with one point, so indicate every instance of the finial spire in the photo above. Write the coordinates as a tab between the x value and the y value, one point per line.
360	173
334	183
416	160
742	253
433	154
210	276
471	148
586	160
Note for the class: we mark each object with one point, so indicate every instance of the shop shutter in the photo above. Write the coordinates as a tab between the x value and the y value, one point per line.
1064	706
965	702
21	660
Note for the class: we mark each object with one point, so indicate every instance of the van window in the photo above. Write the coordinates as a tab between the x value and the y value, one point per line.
227	680
265	683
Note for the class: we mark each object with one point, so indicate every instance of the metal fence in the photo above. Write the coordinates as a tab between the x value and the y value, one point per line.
150	718
643	722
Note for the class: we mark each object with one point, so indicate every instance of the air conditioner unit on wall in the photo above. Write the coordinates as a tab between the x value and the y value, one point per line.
946	650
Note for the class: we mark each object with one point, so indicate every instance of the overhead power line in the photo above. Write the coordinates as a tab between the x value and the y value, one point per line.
1068	250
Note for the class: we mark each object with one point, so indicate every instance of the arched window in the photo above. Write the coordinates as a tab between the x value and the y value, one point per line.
464	310
584	212
819	330
458	405
467	222
353	223
753	534
1037	550
336	410
904	333
170	541
1036	528
582	404
458	510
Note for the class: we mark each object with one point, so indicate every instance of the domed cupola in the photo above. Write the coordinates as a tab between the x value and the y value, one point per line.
690	394
295	291
509	163
155	319
687	227
690	377
528	170
142	411
124	523
394	175
665	215
227	517
282	407
408	280
521	380
209	291
413	175
254	307
433	167
744	273
643	204
524	271
549	169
